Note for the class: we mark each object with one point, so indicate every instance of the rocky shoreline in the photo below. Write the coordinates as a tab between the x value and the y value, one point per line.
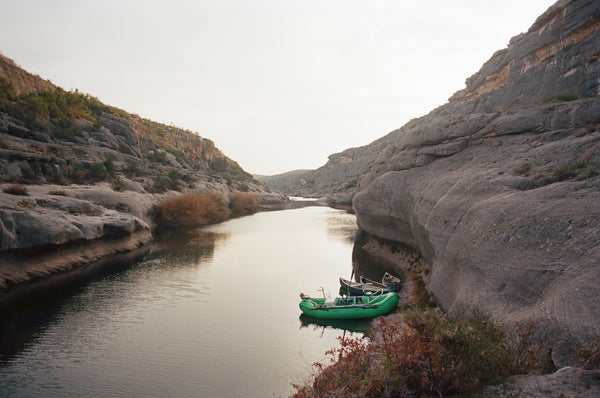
54	230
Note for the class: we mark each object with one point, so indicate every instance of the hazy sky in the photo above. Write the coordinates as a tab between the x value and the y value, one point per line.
276	84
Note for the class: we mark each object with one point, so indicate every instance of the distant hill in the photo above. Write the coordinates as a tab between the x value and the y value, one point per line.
291	182
339	176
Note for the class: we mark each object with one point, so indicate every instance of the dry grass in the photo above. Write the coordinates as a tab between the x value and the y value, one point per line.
243	204
192	209
589	354
523	169
425	354
16	189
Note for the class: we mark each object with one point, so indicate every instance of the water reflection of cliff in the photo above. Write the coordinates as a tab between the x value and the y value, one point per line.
26	312
298	203
364	264
342	227
193	246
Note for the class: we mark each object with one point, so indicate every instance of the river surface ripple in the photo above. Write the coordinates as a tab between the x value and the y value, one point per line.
210	312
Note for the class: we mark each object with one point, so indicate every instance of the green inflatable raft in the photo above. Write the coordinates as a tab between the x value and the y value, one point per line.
352	307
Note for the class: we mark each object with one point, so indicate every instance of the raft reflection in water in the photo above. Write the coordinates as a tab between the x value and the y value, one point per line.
351	325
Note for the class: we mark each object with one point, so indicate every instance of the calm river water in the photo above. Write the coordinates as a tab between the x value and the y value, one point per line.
209	312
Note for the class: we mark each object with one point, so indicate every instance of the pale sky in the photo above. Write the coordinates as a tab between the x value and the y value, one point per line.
278	85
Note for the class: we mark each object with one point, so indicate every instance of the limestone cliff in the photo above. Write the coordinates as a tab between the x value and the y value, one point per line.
498	190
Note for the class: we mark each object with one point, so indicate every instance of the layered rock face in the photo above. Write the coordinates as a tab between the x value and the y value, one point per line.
43	233
499	188
79	179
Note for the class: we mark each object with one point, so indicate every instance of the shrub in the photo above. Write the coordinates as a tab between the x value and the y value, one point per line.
243	204
132	170
158	157
351	184
97	172
65	129
57	193
36	105
117	185
78	173
161	184
589	354
16	189
561	98
192	209
575	170
174	177
7	90
108	164
523	169
426	353
419	294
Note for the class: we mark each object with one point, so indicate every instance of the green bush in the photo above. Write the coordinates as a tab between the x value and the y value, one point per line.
97	172
158	157
57	104
7	90
576	170
65	129
36	105
161	184
174	178
108	164
553	99
351	184
132	169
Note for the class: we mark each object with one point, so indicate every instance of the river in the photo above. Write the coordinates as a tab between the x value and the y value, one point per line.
207	312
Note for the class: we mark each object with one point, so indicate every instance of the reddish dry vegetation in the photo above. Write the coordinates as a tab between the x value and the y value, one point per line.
426	354
192	209
243	204
16	189
203	209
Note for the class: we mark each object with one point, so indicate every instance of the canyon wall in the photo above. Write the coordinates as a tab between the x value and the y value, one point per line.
499	189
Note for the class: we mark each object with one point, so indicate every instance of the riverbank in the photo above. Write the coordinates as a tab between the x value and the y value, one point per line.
581	378
47	230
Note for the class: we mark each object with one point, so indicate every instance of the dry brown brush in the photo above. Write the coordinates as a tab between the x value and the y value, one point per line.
426	353
243	204
192	209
